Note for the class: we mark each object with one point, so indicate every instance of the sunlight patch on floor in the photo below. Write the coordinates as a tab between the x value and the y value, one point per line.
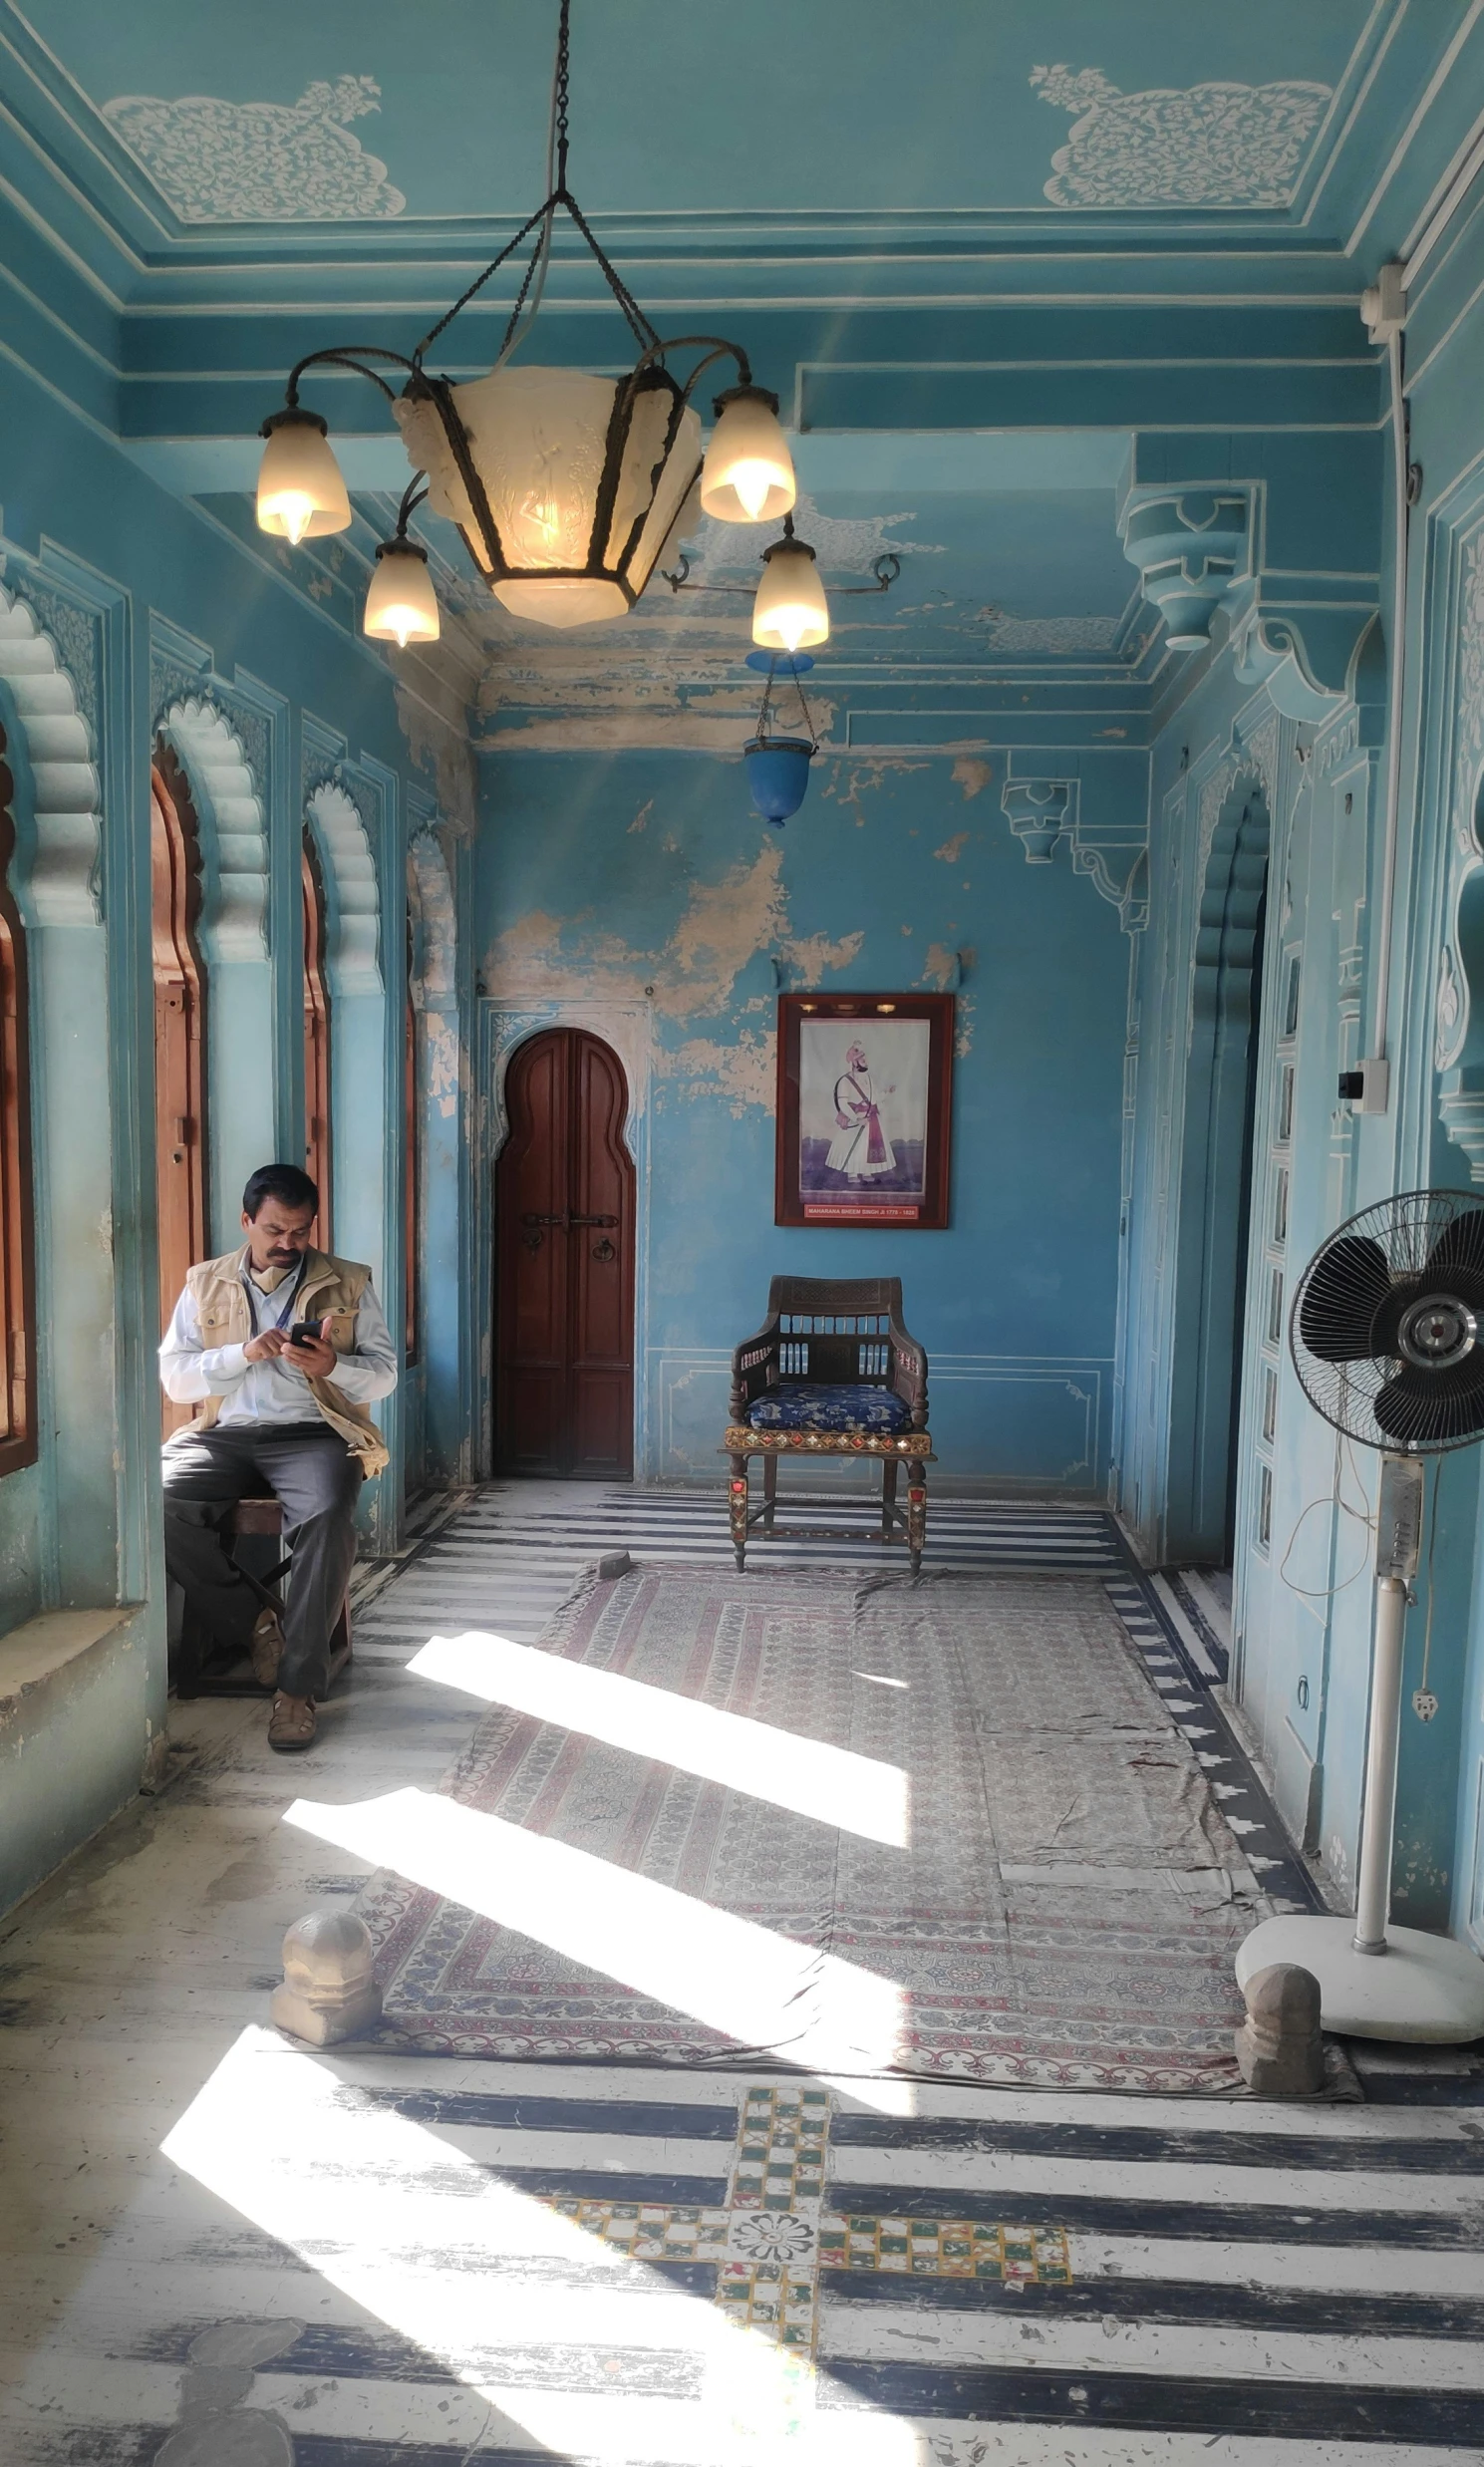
360	2194
835	1786
762	1990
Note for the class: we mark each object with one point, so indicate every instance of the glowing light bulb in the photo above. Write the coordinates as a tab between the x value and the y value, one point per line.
400	605
295	513
752	481
791	612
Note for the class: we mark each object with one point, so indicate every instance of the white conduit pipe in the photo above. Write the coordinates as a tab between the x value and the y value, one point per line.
1397	649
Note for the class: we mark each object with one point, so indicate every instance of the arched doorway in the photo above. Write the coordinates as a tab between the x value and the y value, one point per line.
315	1035
179	1038
1216	1184
564	1264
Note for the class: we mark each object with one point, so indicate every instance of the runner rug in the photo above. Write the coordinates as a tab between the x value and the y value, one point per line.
868	1826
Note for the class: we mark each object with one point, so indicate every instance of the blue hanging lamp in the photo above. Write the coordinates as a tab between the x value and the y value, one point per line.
778	766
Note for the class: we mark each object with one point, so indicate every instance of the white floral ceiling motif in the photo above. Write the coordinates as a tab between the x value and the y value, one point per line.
1212	144
217	161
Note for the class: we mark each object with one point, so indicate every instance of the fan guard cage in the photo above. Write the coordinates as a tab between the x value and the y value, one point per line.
1386	1328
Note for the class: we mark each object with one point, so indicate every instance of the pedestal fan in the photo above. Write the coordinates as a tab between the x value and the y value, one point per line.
1388	1337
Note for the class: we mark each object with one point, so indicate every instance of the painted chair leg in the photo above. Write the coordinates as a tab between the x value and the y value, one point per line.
888	1496
917	1516
737	1496
769	1490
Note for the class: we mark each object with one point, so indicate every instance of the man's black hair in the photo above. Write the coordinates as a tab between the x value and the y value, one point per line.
290	1183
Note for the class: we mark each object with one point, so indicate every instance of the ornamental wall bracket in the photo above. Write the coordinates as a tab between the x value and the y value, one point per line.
1114	856
1313	646
1191	545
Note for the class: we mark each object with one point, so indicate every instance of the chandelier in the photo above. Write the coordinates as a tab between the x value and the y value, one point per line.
564	487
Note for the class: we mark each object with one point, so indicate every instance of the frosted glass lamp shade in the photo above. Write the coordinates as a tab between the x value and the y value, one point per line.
301	493
400	605
565	486
747	475
791	612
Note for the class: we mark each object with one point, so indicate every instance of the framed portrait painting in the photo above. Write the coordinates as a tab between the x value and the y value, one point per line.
864	1110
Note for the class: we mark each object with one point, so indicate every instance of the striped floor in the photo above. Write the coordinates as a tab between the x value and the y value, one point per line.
382	2262
516	1548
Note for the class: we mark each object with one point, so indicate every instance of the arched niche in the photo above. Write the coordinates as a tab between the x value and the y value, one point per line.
58	818
73	1513
1209	1236
352	894
1459	1001
200	756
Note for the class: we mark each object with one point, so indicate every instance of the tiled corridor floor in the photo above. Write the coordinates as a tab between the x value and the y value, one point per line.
217	2250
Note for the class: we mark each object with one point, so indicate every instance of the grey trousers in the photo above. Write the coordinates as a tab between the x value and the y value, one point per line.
306	1466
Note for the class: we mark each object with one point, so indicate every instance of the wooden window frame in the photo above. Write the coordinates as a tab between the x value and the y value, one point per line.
19	1444
177	956
318	1077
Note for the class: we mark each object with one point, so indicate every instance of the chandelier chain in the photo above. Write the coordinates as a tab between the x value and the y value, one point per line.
562	89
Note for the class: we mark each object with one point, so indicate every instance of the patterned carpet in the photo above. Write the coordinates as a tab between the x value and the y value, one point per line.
950	1828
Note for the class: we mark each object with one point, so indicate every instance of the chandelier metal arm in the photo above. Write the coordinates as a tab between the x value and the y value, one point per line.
345	355
719	349
412	497
679	580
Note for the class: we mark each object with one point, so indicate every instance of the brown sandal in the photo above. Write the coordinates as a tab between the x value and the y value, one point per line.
291	1722
265	1651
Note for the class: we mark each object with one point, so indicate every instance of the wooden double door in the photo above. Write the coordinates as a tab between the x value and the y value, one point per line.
565	1245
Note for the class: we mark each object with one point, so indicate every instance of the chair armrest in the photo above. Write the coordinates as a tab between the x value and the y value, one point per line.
753	1366
909	1373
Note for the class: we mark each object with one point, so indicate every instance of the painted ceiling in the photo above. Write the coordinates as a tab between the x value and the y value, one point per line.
940	234
363	110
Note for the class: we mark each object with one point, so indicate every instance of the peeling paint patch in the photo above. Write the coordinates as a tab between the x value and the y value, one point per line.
972	777
742	1075
940	967
952	850
643	816
724	927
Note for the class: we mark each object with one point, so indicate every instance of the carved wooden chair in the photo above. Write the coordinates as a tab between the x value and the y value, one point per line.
833	1372
252	1536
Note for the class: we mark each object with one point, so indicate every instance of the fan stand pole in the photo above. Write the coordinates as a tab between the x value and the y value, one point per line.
1376	1980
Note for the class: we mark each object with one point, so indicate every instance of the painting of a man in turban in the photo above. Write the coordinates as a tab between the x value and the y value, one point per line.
862	1149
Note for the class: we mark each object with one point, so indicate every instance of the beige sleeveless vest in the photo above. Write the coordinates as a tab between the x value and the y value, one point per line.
330	1288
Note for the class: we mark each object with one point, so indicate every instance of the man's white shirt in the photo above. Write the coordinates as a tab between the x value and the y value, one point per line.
271	1391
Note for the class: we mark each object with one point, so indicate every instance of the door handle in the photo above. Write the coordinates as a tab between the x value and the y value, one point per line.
604	1249
530	1218
592	1220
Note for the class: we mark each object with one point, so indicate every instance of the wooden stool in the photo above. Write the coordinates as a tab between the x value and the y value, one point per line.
258	1523
912	1447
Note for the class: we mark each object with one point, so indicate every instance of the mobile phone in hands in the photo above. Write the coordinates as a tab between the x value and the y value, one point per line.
305	1332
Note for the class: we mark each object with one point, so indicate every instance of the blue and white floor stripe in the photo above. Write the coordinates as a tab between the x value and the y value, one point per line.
365	2262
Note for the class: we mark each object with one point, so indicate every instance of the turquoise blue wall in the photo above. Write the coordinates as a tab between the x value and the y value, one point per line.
639	891
148	605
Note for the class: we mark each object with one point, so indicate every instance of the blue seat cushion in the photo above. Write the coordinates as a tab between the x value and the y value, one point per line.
807	1405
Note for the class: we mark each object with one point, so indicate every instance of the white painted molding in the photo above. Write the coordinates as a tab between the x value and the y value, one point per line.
352	894
434	986
234	922
58	872
626	1027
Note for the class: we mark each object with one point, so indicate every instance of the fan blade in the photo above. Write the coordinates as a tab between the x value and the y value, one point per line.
1459	1247
1346	1287
1423	1408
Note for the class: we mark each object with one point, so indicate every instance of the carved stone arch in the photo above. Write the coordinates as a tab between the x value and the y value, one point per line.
352	892
58	805
1233	881
435	983
232	829
1208	1241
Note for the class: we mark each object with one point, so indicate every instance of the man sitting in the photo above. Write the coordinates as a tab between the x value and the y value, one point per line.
284	1347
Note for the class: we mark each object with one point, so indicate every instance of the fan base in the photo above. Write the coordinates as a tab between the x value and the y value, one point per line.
1426	1988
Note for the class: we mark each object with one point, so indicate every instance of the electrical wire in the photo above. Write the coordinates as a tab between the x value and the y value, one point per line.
1333	1497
